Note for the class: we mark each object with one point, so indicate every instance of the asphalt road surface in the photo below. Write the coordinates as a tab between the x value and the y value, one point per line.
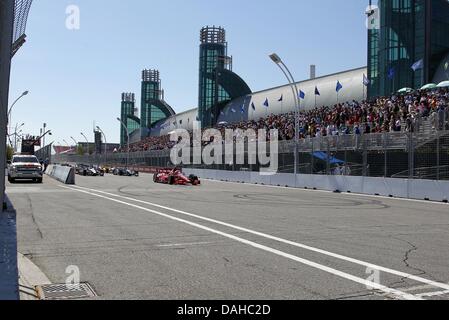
133	239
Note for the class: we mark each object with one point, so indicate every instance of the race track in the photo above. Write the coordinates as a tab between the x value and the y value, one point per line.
133	239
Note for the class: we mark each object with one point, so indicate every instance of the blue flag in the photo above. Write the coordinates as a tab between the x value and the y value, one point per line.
366	81
339	86
391	73
281	98
253	106
418	65
302	95
242	109
317	92
266	103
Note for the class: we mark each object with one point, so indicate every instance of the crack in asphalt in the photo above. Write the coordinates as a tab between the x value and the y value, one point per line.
406	261
33	218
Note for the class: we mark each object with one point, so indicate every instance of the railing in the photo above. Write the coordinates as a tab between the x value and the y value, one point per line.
396	154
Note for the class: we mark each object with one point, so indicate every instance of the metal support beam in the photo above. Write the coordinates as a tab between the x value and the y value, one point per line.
6	38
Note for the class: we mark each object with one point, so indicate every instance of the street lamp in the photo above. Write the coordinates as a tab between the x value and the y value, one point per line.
10	109
105	144
16	134
87	141
278	61
127	133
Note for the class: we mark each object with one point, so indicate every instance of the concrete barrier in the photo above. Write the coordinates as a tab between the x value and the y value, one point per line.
63	174
389	187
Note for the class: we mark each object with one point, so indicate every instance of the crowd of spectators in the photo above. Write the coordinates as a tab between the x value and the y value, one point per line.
387	114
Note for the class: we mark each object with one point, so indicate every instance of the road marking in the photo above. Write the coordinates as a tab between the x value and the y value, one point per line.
331	192
183	244
341	274
295	244
432	294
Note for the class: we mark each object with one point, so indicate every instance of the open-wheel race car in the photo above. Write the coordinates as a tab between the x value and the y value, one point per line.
175	177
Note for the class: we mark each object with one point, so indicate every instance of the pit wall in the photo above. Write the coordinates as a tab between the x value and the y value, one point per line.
398	188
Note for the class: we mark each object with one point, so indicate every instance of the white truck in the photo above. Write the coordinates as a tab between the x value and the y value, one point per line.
24	167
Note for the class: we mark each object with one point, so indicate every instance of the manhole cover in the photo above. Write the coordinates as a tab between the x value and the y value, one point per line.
66	292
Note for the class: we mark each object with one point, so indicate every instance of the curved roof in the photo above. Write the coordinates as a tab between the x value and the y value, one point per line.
233	84
353	89
442	73
133	117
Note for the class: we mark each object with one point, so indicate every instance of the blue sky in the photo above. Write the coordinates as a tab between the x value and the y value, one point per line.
77	77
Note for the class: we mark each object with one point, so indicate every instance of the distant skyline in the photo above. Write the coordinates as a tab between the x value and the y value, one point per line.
76	77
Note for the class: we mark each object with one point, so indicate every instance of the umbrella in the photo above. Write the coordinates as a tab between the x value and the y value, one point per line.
429	86
443	84
405	90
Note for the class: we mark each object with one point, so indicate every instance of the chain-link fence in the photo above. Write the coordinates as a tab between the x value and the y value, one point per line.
413	155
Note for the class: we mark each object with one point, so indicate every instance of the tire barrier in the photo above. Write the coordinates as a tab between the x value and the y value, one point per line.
431	190
63	174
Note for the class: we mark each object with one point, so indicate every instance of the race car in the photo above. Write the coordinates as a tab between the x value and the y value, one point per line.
175	177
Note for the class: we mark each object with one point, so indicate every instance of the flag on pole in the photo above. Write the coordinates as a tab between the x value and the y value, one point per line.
418	65
266	103
317	92
302	95
253	106
339	86
391	73
242	109
366	81
281	98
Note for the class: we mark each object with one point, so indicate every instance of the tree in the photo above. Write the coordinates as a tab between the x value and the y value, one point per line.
80	151
9	153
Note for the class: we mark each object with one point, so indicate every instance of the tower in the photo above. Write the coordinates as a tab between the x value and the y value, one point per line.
153	106
127	110
213	59
409	33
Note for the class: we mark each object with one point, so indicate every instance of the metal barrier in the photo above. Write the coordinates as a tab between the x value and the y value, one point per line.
389	155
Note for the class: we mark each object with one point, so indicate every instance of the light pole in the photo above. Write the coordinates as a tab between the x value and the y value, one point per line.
74	140
15	134
43	139
87	141
127	133
10	108
105	145
278	61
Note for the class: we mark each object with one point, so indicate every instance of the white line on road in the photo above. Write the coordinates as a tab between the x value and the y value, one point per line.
432	294
183	244
312	264
292	243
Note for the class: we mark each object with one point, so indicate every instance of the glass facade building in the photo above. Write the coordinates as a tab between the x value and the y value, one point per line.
409	31
153	107
127	109
217	83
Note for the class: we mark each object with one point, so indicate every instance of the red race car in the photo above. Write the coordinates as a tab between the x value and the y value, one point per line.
175	177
